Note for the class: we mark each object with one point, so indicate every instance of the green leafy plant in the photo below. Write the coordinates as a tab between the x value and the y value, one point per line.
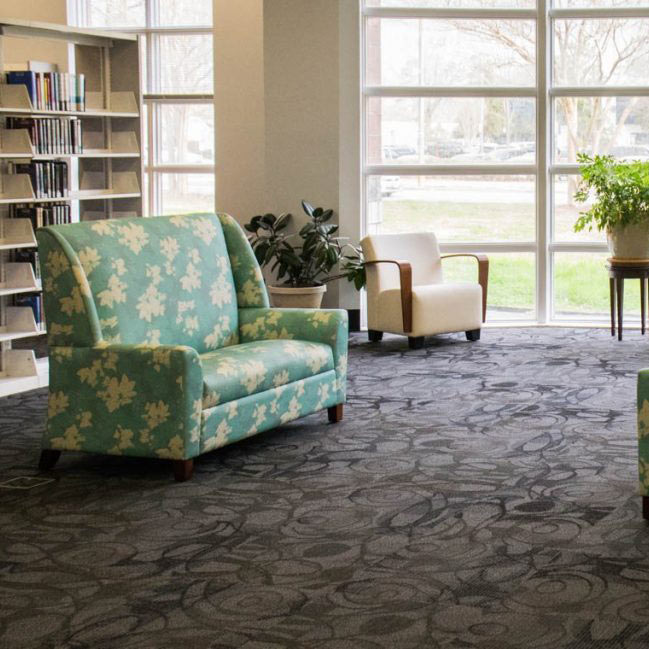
310	261
621	188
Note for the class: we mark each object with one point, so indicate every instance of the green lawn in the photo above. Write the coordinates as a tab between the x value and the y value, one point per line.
580	279
462	221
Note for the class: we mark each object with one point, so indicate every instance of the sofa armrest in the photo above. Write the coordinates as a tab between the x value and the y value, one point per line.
327	326
139	400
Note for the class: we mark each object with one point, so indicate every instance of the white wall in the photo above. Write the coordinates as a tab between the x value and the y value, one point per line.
239	108
21	50
48	11
303	137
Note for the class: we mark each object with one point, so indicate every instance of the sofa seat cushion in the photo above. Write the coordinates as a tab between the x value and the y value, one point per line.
240	370
436	308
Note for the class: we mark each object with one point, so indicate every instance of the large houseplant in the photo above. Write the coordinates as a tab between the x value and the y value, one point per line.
303	259
621	207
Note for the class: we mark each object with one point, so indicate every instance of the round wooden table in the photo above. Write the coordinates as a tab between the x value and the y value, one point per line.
618	271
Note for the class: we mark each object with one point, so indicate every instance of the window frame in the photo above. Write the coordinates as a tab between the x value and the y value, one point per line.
154	170
544	169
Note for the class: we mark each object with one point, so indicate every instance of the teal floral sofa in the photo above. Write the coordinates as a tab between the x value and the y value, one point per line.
162	342
643	439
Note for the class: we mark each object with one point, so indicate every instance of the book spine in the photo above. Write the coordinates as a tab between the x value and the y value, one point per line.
82	92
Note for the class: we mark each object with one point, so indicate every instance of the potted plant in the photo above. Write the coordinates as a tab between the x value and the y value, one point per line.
306	264
621	207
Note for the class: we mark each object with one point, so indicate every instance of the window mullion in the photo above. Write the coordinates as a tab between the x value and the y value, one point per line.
543	148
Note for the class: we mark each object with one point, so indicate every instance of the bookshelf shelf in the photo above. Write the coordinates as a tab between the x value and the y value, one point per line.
22	371
85	195
14	100
103	194
20	323
19	278
65	113
103	177
16	233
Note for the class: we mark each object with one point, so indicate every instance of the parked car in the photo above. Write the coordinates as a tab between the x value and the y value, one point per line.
445	148
393	151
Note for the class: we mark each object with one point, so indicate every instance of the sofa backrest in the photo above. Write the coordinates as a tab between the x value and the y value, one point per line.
164	280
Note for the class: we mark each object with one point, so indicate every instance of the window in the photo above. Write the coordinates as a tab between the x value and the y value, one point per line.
178	94
474	112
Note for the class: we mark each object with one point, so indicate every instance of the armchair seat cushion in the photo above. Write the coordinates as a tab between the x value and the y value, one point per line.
436	308
240	370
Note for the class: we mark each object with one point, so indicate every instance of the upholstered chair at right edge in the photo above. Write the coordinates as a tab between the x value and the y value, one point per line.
407	295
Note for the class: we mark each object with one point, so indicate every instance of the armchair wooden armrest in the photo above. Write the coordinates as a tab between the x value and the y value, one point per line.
405	281
483	275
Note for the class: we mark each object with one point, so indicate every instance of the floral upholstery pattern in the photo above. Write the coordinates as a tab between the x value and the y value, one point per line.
237	371
326	326
643	431
162	343
245	417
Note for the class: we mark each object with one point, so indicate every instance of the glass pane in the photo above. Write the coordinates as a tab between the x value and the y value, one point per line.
180	13
598	4
455	4
601	52
146	207
433	52
615	125
195	73
456	208
512	283
566	211
186	134
581	288
438	130
183	193
115	13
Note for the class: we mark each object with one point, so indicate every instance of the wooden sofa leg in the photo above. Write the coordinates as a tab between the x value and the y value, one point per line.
473	335
183	469
335	413
374	336
645	507
49	457
416	343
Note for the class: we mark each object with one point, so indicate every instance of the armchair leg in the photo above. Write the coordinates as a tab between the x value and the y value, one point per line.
374	336
335	413
415	343
49	457
473	335
183	469
645	507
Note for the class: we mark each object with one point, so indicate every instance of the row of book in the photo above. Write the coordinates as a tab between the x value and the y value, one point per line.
52	90
51	135
35	301
32	300
41	216
27	256
49	179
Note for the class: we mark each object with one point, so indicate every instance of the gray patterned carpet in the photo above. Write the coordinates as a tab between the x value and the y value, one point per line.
476	495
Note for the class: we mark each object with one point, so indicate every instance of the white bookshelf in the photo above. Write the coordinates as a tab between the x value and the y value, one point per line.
105	179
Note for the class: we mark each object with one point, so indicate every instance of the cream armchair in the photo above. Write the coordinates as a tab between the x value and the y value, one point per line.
406	293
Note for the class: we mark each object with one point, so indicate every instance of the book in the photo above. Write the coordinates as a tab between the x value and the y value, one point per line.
50	135
32	301
48	90
49	179
28	79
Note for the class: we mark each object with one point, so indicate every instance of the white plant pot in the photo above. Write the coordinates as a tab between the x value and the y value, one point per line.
307	297
630	242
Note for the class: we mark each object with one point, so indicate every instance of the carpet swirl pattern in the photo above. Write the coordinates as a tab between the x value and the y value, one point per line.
476	495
